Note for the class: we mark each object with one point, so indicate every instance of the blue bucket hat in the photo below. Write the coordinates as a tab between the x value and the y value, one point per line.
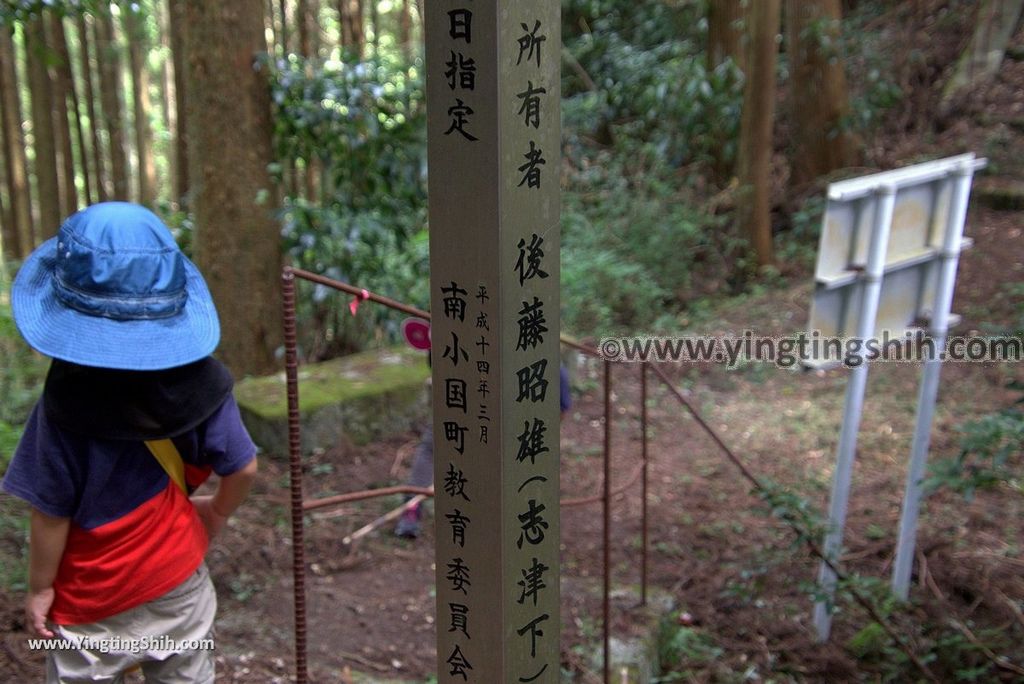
113	290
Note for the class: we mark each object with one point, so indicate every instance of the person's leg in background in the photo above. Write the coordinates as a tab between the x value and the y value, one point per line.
422	475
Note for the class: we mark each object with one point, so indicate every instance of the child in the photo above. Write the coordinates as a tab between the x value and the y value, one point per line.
134	415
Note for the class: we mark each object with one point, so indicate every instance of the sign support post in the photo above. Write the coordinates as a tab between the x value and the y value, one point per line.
947	266
855	387
493	103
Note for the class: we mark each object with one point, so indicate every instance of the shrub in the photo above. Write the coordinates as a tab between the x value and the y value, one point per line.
360	128
990	454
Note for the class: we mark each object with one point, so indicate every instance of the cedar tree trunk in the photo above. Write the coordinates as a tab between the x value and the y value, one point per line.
237	243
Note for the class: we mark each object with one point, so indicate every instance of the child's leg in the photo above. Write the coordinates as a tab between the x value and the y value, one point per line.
98	658
163	636
80	666
183	620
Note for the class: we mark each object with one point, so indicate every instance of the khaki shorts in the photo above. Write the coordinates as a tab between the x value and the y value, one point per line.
162	638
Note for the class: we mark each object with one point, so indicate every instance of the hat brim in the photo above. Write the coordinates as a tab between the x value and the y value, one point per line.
53	329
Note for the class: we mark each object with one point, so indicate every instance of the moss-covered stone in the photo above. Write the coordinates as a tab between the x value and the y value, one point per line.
353	399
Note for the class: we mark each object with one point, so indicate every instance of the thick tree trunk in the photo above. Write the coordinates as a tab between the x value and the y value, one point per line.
726	21
176	16
64	93
980	61
375	28
303	20
42	130
725	33
138	47
306	26
405	31
285	34
102	191
83	148
819	109
290	175
754	202
315	37
110	93
271	26
9	249
165	97
353	39
237	241
15	158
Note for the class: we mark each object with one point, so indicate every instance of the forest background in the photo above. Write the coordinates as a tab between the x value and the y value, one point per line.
295	129
243	123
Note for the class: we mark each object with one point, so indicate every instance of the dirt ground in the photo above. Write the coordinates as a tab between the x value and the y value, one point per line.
740	576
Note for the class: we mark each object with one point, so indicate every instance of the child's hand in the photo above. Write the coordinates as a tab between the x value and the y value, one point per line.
212	520
37	606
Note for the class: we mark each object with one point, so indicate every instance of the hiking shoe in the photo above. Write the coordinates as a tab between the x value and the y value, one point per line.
409	524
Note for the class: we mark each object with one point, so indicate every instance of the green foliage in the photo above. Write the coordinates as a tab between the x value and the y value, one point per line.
363	121
14	523
947	647
869	641
360	127
991	450
9	436
944	648
658	22
880	94
14	11
639	107
181	224
21	376
869	53
634	246
953	651
683	648
799	245
652	81
602	294
786	505
243	586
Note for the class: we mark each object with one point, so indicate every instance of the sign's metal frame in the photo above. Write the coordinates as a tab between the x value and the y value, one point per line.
888	256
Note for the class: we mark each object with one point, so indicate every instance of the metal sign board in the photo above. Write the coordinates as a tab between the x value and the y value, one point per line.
493	101
920	214
922	203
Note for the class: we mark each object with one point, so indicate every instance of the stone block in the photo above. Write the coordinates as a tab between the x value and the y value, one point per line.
350	400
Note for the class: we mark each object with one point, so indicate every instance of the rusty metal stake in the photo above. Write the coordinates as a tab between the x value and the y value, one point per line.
291	365
643	485
606	504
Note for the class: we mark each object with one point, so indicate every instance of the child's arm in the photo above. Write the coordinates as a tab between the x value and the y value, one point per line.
47	536
232	489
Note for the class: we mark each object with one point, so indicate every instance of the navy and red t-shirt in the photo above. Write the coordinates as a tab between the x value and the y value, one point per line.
134	534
